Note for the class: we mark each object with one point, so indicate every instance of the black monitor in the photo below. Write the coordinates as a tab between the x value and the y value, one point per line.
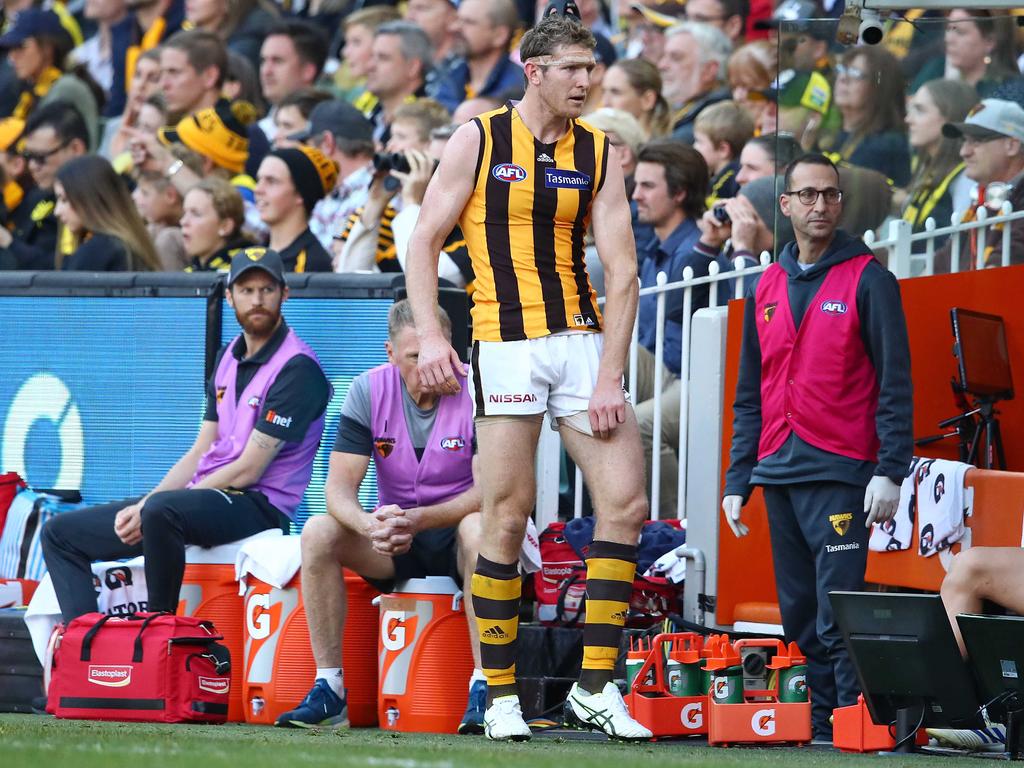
907	661
982	356
995	653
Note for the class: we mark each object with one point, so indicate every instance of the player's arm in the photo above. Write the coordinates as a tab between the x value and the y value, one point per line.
613	234
344	476
447	194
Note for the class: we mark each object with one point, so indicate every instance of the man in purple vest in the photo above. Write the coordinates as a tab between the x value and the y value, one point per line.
427	522
245	473
823	420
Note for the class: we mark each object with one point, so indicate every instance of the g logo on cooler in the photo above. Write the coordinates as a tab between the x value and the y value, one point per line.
392	630
763	722
692	716
258	626
509	173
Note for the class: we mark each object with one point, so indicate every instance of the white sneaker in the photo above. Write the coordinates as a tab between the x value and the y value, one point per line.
604	711
990	739
503	720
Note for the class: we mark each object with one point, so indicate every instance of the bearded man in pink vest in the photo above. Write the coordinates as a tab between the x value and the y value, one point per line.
245	473
427	522
823	420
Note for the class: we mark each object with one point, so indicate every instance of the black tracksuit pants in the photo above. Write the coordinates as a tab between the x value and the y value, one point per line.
819	544
72	541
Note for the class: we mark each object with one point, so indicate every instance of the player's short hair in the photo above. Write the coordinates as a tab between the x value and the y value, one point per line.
400	316
552	33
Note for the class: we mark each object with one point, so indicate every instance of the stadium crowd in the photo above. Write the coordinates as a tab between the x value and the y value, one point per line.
168	135
315	127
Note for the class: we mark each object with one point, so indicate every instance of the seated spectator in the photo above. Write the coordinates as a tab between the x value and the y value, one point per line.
767	155
980	47
54	134
939	186
671	185
719	133
292	115
38	47
473	107
368	241
245	473
869	95
420	528
730	16
625	133
359	28
152	116
242	83
634	86
17	180
438	18
193	65
288	184
211	226
145	27
95	210
241	24
693	70
398	69
292	57
870	203
752	70
754	224
645	28
160	203
484	31
604	56
993	155
96	53
145	83
340	131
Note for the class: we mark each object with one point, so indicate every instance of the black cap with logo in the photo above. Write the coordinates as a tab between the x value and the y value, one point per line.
256	258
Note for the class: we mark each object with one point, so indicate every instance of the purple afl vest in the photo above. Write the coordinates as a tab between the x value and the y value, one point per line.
816	381
285	479
446	468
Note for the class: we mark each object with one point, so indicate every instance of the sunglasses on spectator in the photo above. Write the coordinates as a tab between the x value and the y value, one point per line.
853	73
41	157
809	195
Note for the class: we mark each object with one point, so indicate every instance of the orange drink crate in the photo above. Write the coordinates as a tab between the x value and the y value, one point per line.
650	700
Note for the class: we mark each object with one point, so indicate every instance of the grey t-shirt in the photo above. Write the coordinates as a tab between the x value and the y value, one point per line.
355	431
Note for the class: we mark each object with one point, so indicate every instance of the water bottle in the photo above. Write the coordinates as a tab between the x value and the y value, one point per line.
392	715
793	684
727	685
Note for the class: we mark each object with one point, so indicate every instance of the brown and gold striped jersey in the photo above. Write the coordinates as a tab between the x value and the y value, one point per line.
524	226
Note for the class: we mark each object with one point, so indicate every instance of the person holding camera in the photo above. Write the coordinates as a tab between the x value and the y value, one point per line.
377	237
823	420
288	184
739	229
671	183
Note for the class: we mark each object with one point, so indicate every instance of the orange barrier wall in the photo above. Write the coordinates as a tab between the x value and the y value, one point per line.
744	565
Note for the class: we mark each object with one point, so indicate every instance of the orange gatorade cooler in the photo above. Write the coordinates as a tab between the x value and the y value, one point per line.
210	591
279	664
425	657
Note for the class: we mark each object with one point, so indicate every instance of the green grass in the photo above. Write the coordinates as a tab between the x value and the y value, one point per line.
43	742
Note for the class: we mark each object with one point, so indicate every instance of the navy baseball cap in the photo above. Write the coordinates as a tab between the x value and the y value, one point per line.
32	22
339	118
256	258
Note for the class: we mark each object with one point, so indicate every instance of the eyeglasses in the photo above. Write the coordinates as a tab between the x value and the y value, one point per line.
41	157
809	195
852	73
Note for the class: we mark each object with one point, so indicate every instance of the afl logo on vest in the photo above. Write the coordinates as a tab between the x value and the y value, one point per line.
509	172
833	307
453	443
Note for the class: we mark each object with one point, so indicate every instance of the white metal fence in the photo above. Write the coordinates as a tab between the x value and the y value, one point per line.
906	258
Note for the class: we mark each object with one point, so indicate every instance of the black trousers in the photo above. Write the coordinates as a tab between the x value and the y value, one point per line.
819	544
72	541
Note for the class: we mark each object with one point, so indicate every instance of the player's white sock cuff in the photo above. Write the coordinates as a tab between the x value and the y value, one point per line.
334	677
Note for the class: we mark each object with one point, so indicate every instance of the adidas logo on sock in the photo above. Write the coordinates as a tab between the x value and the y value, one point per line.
494	633
543	158
620	615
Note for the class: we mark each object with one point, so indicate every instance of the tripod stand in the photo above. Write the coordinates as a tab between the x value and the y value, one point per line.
971	427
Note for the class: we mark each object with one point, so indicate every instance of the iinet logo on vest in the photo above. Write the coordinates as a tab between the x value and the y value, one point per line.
282	421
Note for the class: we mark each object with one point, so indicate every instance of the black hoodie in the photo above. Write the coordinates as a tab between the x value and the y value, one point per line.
884	333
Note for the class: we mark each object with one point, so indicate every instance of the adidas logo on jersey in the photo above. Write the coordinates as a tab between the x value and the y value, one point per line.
494	633
543	158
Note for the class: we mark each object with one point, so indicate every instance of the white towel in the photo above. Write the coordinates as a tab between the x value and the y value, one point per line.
942	504
897	533
529	555
273	561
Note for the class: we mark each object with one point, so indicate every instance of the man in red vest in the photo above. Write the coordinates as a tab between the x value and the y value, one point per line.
822	420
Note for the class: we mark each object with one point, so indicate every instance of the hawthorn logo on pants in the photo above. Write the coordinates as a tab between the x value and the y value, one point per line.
841	522
110	675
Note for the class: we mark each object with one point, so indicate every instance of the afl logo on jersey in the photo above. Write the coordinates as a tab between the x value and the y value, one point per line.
509	172
833	307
